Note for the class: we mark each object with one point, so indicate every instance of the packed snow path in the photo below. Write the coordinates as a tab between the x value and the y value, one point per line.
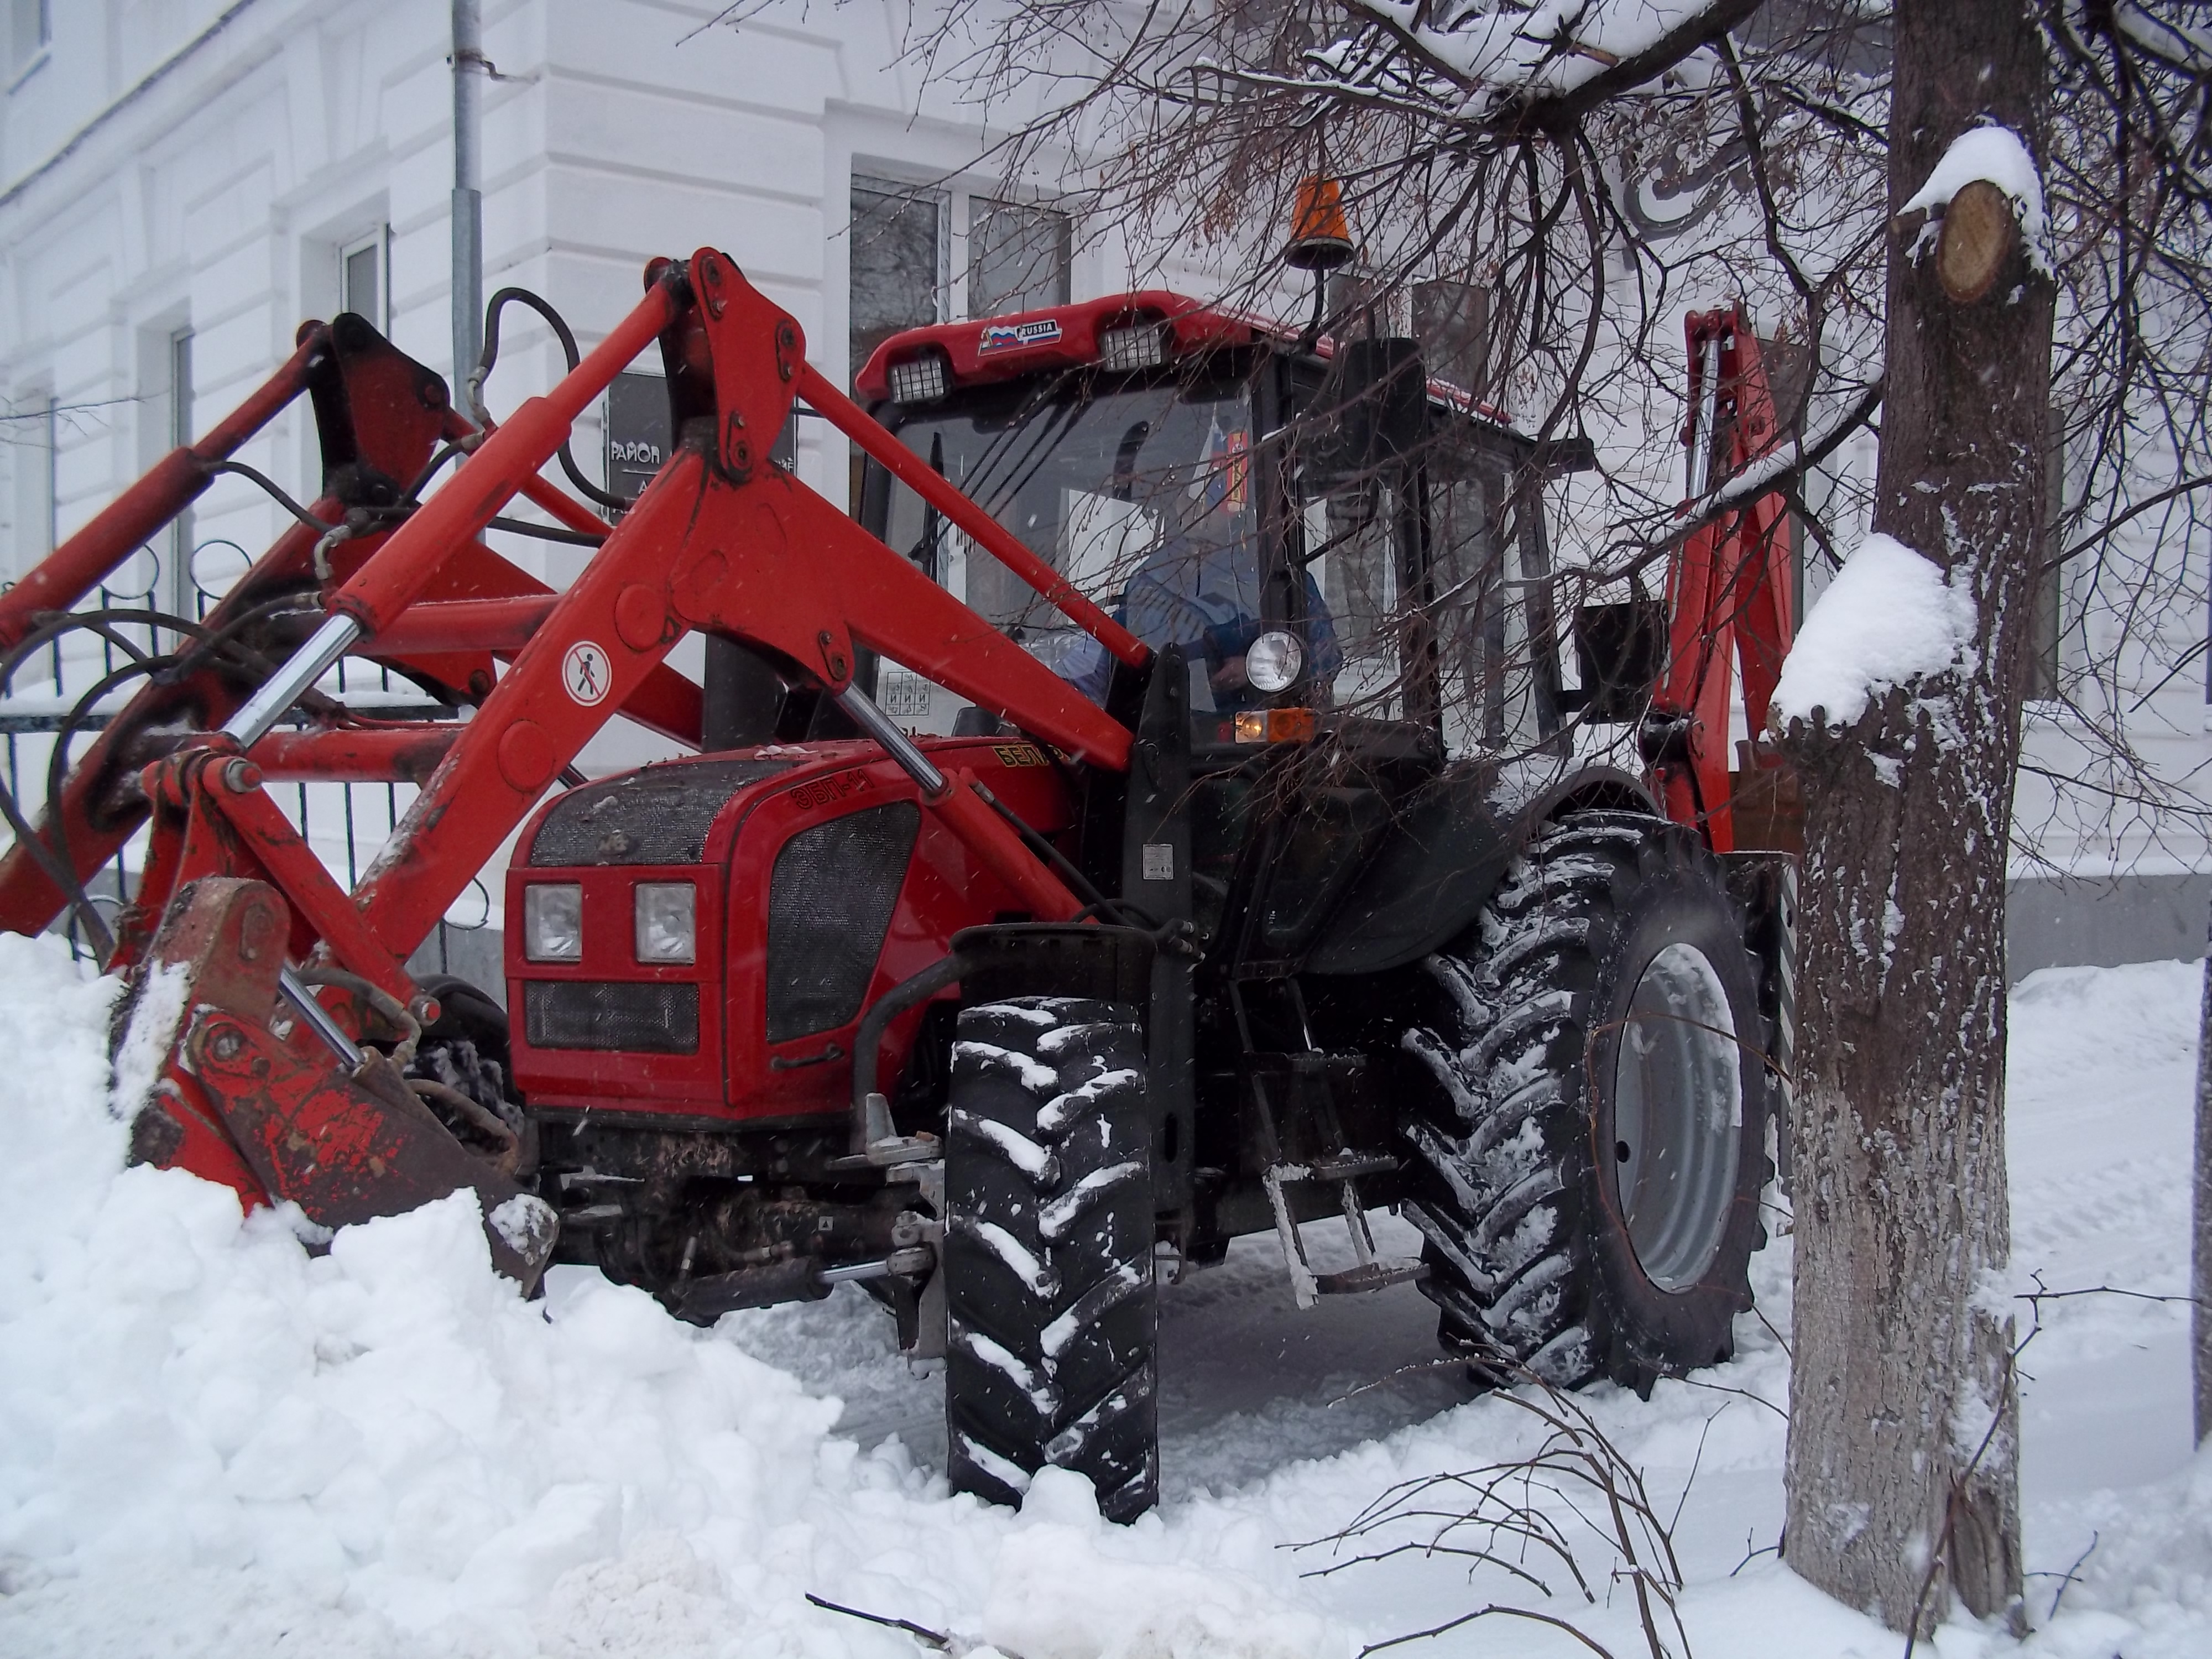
211	1442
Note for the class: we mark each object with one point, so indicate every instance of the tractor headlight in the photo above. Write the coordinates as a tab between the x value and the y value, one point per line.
1273	660
553	921
667	922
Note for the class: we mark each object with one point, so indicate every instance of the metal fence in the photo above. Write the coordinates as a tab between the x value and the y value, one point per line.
65	693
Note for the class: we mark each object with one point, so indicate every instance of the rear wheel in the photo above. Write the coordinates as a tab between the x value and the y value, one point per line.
1048	1252
1592	1154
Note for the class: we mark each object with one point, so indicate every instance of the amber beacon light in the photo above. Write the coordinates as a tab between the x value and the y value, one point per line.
1320	239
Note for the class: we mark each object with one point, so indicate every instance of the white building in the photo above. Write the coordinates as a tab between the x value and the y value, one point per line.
182	181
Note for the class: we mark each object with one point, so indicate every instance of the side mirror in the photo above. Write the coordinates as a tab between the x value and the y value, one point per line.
1372	409
1622	651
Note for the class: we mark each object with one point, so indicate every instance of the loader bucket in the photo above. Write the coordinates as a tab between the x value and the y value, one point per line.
246	1097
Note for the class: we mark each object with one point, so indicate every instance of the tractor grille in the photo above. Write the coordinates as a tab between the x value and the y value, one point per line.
580	1014
828	906
658	816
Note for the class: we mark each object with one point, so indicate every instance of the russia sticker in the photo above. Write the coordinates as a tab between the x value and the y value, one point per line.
1012	337
586	673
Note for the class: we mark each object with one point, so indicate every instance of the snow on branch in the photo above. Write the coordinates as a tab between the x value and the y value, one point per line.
1556	58
1782	463
2166	39
1889	617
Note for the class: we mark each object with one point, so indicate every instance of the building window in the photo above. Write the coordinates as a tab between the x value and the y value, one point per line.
897	259
30	27
1451	321
185	595
1019	258
362	286
33	428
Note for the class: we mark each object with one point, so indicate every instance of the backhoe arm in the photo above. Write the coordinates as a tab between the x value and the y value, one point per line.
1728	588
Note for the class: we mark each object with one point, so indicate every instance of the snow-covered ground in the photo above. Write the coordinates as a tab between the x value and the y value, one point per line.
211	1442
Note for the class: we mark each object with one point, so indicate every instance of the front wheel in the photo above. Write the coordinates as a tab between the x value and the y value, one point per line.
1592	1152
1048	1254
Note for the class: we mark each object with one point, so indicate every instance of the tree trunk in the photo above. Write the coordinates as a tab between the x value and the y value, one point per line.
1903	1461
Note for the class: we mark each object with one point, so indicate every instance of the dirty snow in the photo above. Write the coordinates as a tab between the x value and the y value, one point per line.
1994	153
212	1441
1887	617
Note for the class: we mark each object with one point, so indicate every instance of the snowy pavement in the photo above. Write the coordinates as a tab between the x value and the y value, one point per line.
213	1442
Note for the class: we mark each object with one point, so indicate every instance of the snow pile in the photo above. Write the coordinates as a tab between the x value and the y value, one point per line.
1995	154
214	1443
1888	616
208	1437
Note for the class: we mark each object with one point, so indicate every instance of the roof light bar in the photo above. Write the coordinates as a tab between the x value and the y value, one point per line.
1133	345
920	379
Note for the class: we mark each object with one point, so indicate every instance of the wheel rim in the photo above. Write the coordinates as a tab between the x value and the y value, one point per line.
1677	1116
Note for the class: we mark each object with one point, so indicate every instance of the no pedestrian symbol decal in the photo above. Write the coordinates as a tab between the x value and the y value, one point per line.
586	673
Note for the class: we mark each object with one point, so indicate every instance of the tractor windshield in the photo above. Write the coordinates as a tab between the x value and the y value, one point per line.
1143	497
1412	590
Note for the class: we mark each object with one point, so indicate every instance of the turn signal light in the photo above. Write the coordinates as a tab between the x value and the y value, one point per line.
1275	726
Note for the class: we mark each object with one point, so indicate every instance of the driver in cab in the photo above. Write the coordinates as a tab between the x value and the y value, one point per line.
1200	588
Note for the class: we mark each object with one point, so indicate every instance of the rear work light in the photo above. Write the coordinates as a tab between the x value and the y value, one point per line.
920	379
553	921
1134	345
667	922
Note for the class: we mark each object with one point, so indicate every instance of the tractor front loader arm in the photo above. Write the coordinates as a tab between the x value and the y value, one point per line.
721	541
264	995
379	416
118	530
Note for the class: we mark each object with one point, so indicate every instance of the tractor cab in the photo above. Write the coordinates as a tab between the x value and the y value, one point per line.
1322	534
1341	563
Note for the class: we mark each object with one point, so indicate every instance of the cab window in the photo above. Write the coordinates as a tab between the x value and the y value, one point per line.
1144	497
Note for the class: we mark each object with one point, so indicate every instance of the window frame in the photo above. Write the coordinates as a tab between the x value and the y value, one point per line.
976	206
33	481
377	241
20	69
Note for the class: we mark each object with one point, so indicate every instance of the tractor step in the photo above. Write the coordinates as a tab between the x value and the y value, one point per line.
1378	1275
1353	1166
1344	1170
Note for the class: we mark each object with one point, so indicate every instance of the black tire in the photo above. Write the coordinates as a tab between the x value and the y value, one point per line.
1551	1250
465	1048
1048	1252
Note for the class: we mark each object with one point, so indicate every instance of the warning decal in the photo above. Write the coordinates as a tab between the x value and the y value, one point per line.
586	673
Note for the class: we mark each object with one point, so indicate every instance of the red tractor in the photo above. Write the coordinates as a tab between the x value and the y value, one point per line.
1156	820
